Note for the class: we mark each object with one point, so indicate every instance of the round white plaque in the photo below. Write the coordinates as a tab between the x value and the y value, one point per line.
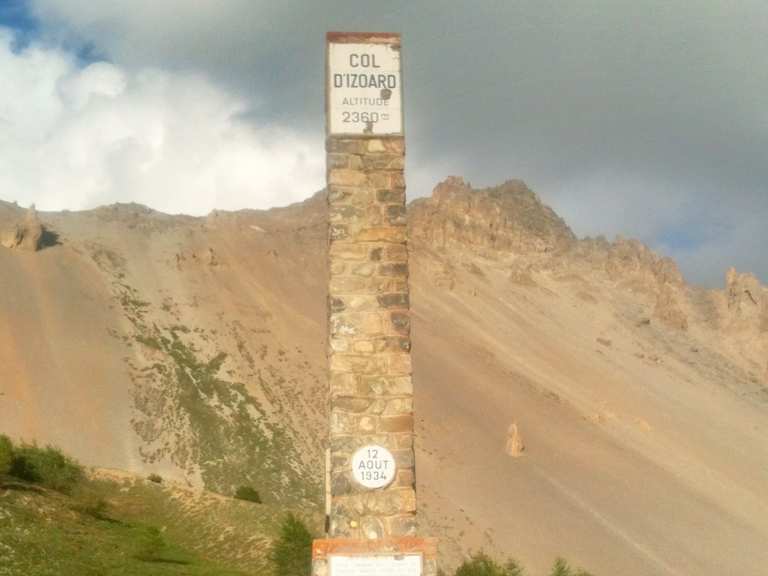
373	466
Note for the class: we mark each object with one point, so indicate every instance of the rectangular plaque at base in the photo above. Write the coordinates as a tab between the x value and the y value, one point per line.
402	556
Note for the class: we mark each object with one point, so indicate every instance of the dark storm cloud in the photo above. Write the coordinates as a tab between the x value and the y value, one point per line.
648	119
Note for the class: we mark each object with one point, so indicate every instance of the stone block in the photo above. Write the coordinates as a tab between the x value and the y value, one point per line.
351	404
396	253
343	213
397	300
346	177
381	162
385	385
396	215
405	441
337	268
360	364
349	285
362	302
364	346
379	503
399	407
343	384
391	195
405	478
396	180
403	525
395	145
339	344
348	251
359	195
375	254
365	269
346	145
337	160
400	364
375	145
381	234
404	458
399	269
378	179
338	232
338	194
389	284
375	217
347	443
398	162
402	423
401	322
392	344
344	423
363	324
342	325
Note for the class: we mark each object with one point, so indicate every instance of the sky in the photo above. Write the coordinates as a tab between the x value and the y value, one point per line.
646	119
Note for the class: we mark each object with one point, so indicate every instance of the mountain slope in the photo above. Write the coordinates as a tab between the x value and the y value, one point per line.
195	347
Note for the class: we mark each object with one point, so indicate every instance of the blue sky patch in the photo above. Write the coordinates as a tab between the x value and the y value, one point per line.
16	15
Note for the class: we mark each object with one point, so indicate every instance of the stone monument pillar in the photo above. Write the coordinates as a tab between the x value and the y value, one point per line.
372	524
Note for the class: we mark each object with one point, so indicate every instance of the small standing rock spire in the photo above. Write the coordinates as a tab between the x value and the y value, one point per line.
515	446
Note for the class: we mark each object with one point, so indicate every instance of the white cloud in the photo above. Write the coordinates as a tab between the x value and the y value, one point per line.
73	137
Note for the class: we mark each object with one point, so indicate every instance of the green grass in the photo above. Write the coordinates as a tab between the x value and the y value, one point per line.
44	534
56	520
132	527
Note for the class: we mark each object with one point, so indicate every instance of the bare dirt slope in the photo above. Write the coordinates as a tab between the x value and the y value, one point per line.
195	347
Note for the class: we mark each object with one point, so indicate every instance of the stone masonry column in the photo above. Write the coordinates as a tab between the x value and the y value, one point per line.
371	390
372	462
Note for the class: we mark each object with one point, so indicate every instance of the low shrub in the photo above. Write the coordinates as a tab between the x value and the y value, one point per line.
95	508
150	545
6	454
291	553
47	466
481	564
248	493
561	568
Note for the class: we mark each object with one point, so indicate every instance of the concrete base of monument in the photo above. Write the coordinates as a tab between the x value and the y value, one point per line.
397	556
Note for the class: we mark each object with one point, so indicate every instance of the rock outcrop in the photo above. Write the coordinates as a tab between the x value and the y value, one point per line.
747	298
506	218
28	234
628	261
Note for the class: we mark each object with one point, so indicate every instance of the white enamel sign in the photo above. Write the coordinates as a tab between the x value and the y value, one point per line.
364	93
373	466
385	565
